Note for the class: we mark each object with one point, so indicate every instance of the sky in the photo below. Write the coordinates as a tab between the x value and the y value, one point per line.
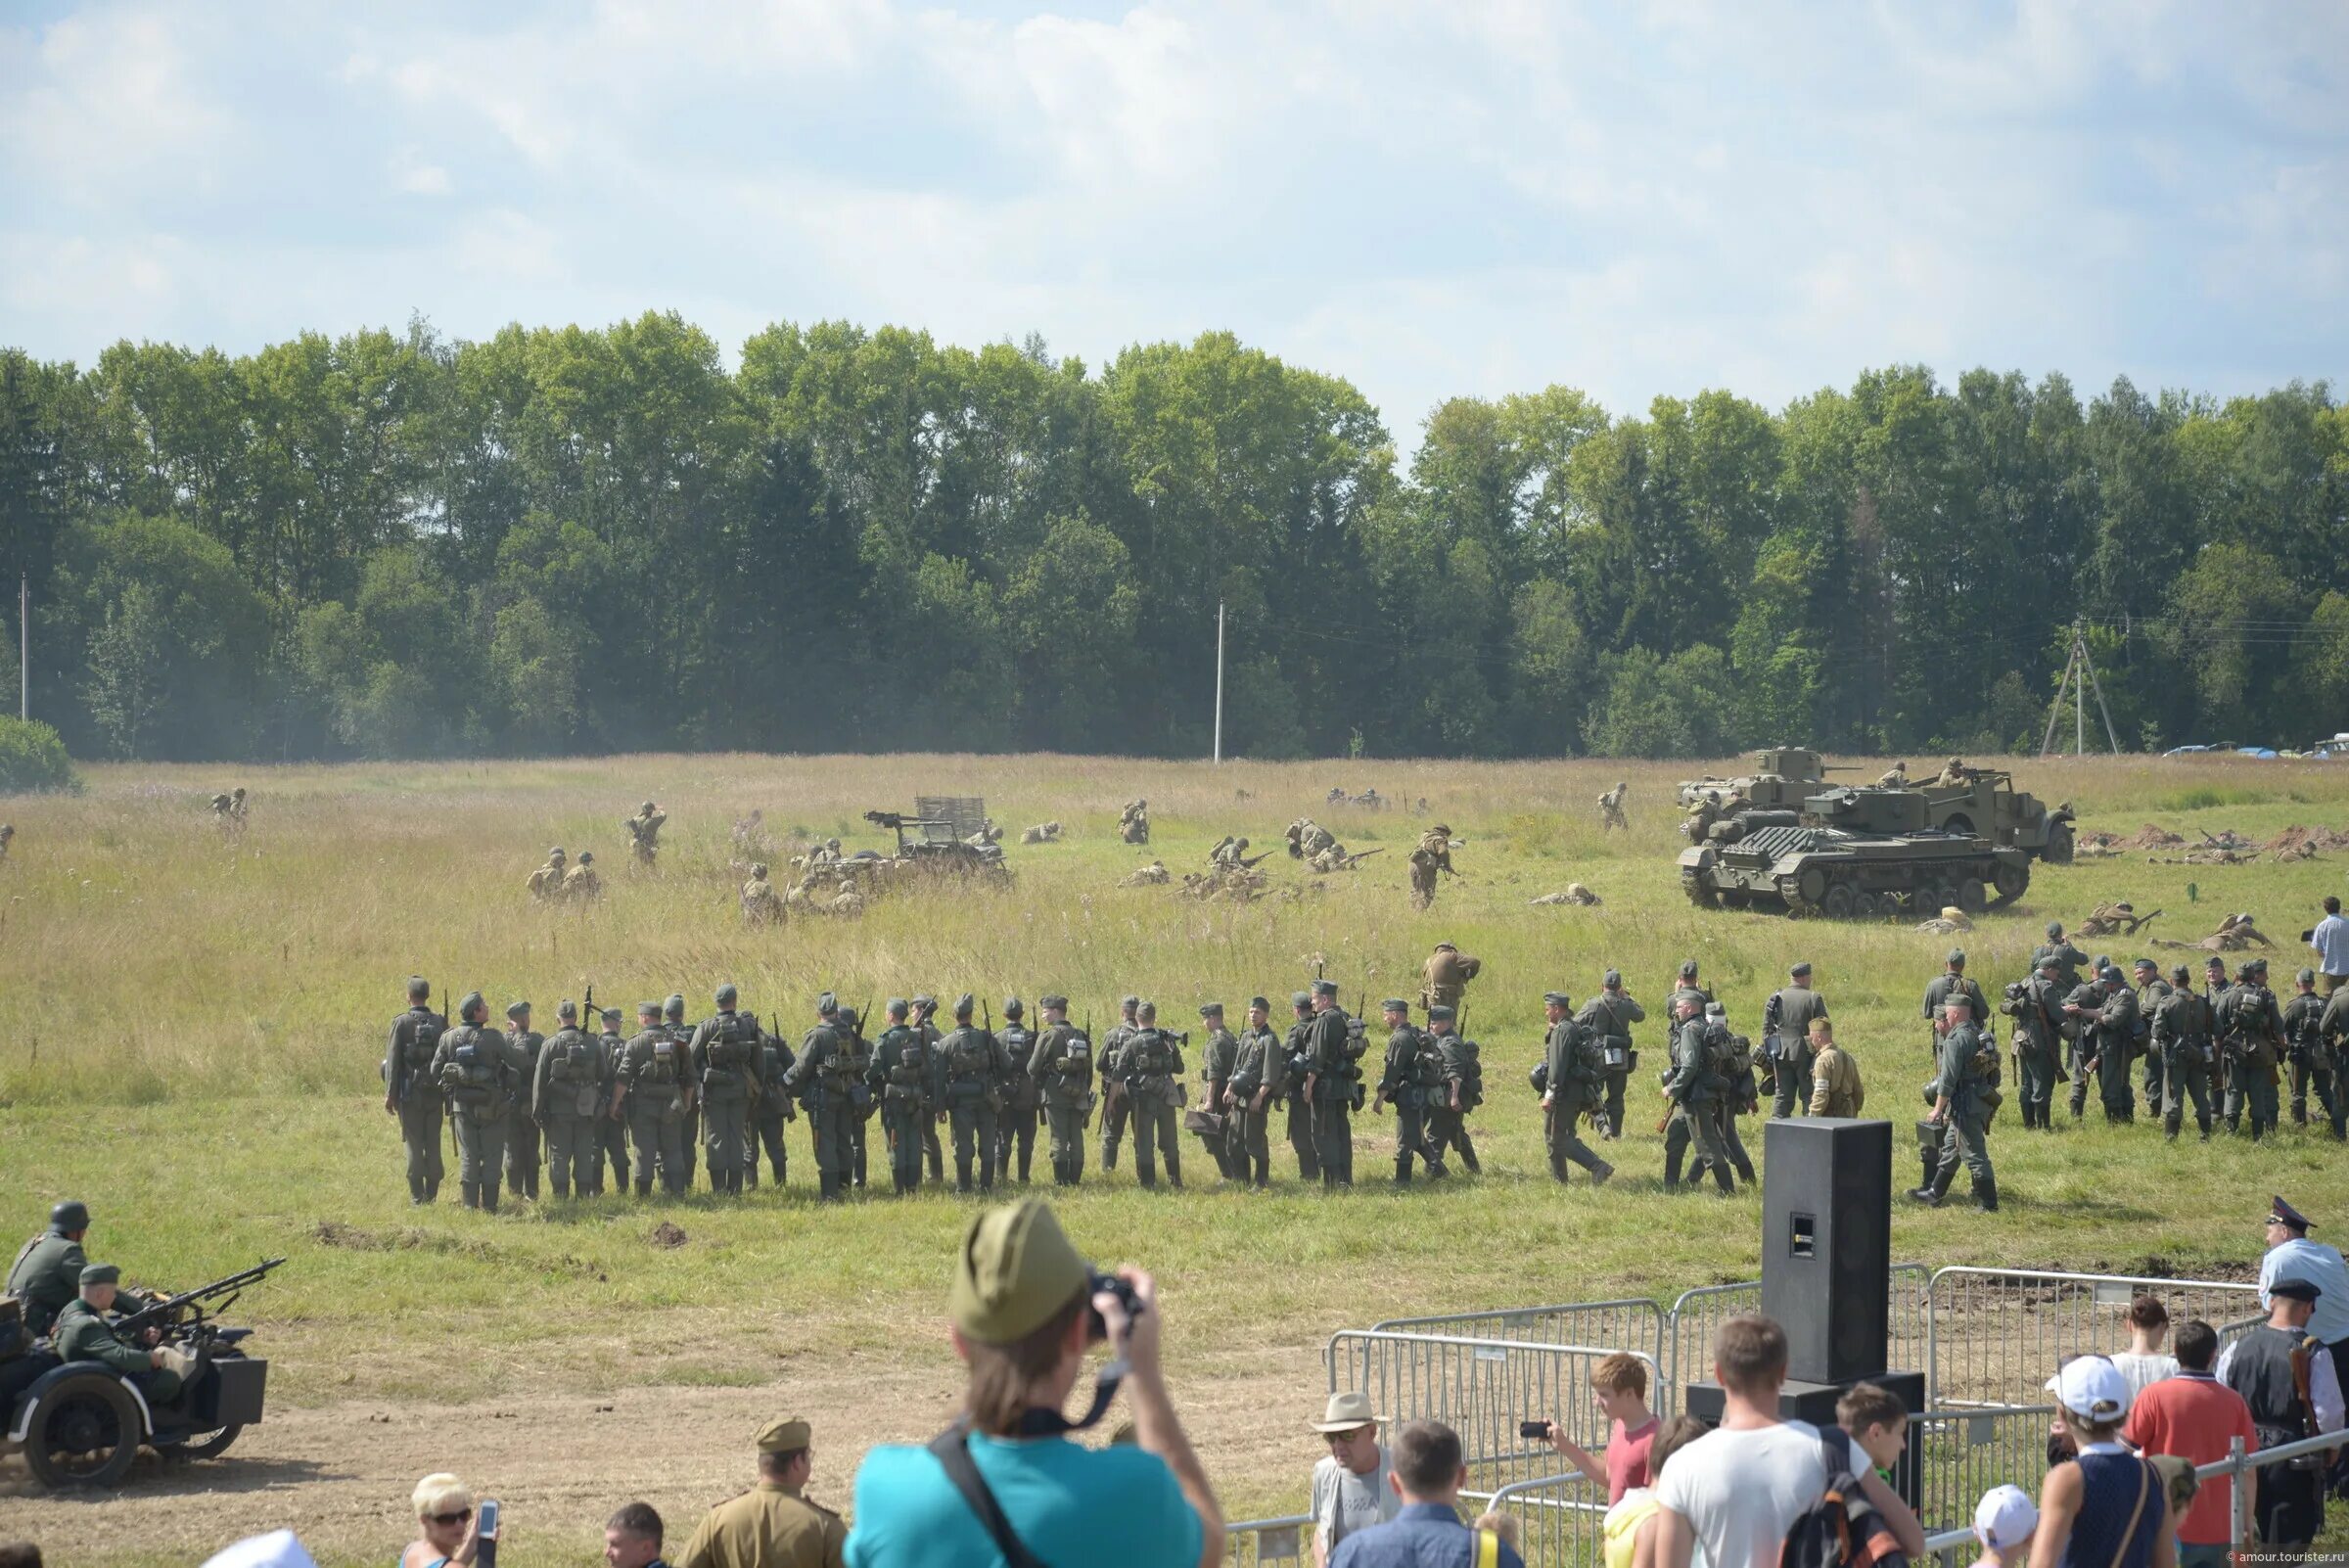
1429	199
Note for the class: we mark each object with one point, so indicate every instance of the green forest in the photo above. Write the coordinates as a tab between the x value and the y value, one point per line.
563	540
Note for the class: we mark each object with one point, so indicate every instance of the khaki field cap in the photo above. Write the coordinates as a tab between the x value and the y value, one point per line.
1346	1413
783	1437
1016	1268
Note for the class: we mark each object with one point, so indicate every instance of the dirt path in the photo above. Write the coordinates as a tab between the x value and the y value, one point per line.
341	1475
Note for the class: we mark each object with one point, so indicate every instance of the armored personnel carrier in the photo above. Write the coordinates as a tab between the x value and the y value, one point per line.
1989	804
1850	854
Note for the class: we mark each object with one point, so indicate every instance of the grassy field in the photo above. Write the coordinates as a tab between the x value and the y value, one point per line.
189	1033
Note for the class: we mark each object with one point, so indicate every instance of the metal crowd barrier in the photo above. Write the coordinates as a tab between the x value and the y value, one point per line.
1689	1327
1480	1387
1631	1322
1553	1528
1995	1336
1962	1454
1250	1542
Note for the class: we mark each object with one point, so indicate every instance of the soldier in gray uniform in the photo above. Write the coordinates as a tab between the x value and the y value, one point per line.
2035	1004
1608	1018
2083	1005
725	1058
568	1100
673	1021
821	1077
1687	986
1022	1104
1258	1069
1297	1062
772	1109
656	1082
974	1067
1576	1081
2182	1038
1950	982
2151	991
612	1126
47	1273
1957	1094
1221	1056
2115	1042
1153	1063
1695	1088
925	1008
2250	1030
1407	1086
904	1075
1063	1066
1786	1024
480	1076
2068	959
2226	1075
521	1127
1461	1092
2304	1048
1329	1084
1732	1058
1116	1101
412	1092
2333	1030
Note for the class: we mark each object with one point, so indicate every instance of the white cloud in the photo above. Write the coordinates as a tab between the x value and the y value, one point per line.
411	176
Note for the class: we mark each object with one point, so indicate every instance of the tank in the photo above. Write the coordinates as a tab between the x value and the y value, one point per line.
1782	776
1879	857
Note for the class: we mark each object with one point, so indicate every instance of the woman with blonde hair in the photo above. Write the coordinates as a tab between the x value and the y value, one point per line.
444	1524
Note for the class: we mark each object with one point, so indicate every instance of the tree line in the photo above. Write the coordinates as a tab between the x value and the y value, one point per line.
562	540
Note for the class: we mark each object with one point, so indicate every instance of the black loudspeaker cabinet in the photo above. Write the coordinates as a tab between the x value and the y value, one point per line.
1814	1402
1827	1243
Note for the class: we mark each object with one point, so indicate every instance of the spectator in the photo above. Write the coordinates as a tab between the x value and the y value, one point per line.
1875	1418
2003	1521
1351	1489
1020	1319
2192	1416
19	1555
1627	1533
632	1538
1426	1531
2145	1363
2330	939
1737	1491
2291	1508
1503	1526
444	1524
772	1525
2108	1508
1620	1383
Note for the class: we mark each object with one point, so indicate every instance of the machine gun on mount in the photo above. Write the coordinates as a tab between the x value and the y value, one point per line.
945	836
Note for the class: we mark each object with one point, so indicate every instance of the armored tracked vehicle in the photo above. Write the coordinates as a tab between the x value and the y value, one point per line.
1782	777
1851	855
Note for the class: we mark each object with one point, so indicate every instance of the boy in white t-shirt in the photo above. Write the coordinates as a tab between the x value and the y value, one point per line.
1737	1491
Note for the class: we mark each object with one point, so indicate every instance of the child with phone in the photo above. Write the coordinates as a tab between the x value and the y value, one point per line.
1619	1382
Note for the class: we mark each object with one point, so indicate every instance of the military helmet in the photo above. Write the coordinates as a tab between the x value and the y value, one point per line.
555	854
727	994
70	1216
586	858
848	1018
673	1009
2055	931
759	868
649	807
1687	969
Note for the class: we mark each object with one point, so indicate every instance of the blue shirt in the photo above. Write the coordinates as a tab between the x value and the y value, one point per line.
1423	1535
2331	938
1069	1504
2321	1266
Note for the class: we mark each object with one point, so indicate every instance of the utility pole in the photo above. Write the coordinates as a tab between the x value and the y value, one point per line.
2079	674
24	645
1218	683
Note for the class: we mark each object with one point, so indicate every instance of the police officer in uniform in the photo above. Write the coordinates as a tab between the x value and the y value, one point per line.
904	1074
1259	1068
1063	1068
1221	1056
1576	1081
769	1112
1608	1018
821	1077
725	1057
481	1075
1015	1122
1695	1088
2180	1038
1787	1022
1152	1061
1117	1101
568	1100
1297	1062
611	1126
522	1126
412	1093
974	1066
772	1525
1959	1103
1461	1091
47	1273
1411	1074
1330	1085
656	1081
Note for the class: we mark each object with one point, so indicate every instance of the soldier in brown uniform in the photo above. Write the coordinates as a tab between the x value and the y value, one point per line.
759	905
1449	971
772	1525
547	881
582	883
1835	1088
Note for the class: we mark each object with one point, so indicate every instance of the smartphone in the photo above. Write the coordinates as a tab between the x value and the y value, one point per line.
487	1530
1537	1430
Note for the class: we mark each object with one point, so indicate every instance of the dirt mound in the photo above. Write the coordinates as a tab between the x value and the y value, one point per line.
2298	843
665	1234
2150	836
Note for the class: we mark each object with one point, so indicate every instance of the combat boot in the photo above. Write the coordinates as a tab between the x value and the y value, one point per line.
1600	1177
472	1194
1986	1193
431	1189
1721	1179
563	1192
415	1189
1402	1173
1468	1156
1672	1169
490	1197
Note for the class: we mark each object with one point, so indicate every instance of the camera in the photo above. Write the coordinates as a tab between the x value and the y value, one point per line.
1096	1327
1537	1431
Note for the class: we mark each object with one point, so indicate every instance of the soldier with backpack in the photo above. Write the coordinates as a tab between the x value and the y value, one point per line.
480	1074
567	1102
1572	1085
1461	1092
1960	1103
412	1092
725	1056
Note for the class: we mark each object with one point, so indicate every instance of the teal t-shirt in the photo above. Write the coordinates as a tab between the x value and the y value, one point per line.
1071	1505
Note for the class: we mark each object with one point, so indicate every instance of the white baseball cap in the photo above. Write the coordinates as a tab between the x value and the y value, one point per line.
2092	1388
2004	1518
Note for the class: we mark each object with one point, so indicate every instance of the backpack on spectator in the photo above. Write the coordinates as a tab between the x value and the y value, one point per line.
1843	1530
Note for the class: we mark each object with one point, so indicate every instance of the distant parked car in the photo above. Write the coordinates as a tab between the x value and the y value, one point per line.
2264	752
2188	750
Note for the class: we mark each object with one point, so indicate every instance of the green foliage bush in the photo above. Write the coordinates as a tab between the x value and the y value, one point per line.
33	758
